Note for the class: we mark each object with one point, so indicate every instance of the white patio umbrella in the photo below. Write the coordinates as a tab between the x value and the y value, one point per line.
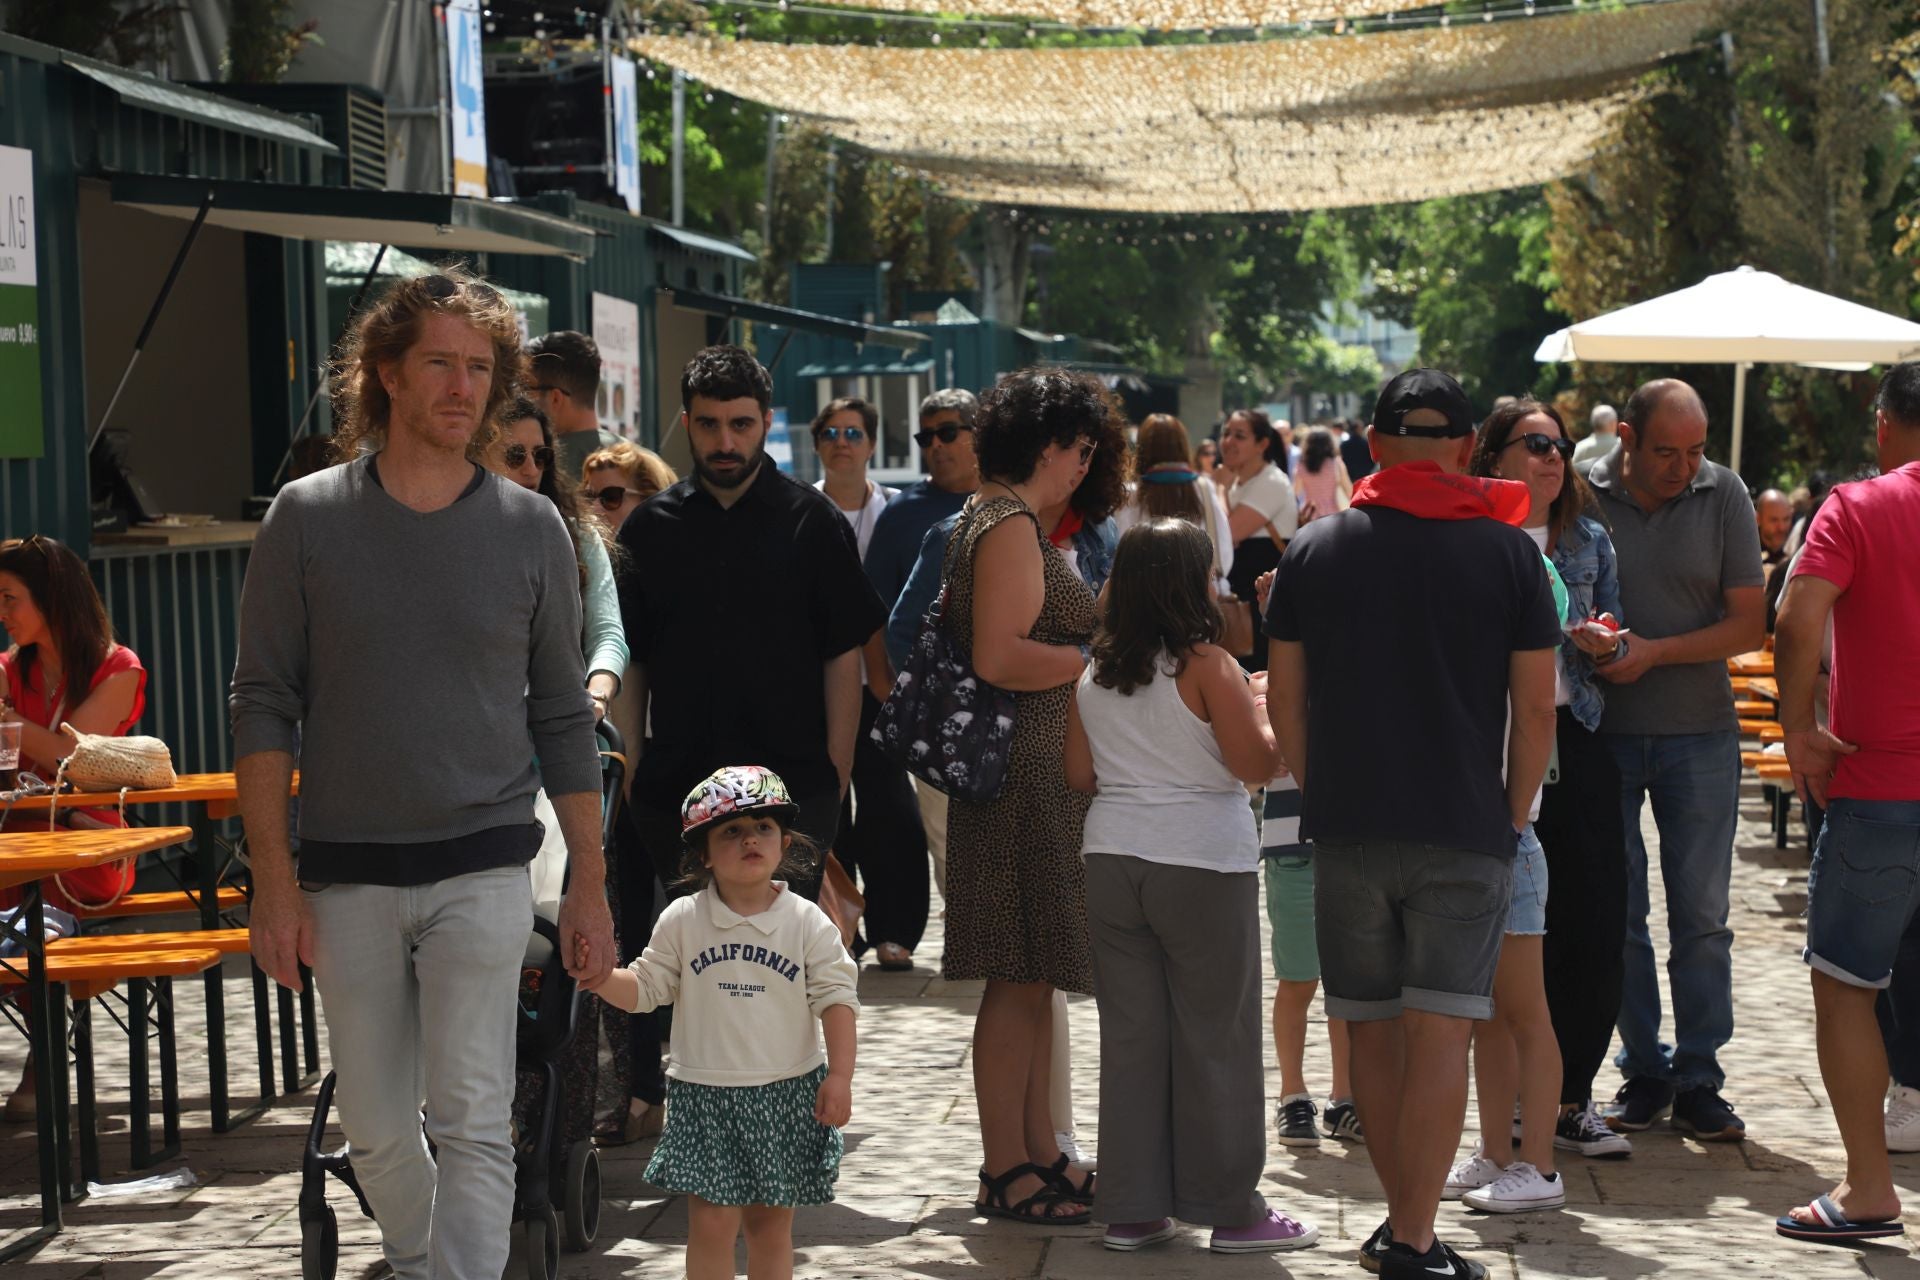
1742	318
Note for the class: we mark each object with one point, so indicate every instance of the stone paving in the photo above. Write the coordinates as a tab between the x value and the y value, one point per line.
1676	1208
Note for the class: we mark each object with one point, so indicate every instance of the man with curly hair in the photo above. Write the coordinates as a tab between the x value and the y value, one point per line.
415	620
746	609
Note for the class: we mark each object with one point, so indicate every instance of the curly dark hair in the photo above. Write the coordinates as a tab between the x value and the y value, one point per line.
387	329
1159	598
725	372
1027	410
1496	433
798	863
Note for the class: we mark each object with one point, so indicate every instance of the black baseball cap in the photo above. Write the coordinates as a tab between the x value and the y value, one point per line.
1427	389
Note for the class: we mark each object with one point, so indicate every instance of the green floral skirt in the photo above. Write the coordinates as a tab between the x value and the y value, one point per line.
749	1144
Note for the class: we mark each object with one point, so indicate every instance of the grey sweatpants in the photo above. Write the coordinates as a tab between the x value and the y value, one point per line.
1176	965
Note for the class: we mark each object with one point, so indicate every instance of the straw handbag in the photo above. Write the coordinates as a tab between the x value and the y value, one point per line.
100	763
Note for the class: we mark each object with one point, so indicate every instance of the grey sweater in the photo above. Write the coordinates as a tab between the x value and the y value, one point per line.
425	659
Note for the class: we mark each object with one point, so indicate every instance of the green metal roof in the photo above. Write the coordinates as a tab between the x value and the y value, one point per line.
417	219
701	244
720	304
878	368
139	90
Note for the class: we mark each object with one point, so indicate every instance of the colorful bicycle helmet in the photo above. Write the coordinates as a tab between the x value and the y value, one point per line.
729	792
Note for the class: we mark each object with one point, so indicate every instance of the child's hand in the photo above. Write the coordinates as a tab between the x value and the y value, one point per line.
583	959
833	1106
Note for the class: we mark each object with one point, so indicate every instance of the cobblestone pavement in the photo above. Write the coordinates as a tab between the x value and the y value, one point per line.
1675	1208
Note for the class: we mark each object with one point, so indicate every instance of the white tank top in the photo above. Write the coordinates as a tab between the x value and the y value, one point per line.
1165	793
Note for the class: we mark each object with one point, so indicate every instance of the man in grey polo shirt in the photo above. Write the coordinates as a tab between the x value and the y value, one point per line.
1690	584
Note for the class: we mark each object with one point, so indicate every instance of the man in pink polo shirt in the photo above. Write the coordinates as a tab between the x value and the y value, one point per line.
1861	565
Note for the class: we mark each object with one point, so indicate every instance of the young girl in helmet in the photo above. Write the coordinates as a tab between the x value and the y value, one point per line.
753	1106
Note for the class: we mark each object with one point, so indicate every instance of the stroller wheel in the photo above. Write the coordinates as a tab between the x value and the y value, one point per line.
582	1196
543	1244
319	1247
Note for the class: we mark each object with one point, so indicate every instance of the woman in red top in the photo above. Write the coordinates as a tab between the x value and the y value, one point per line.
62	643
64	667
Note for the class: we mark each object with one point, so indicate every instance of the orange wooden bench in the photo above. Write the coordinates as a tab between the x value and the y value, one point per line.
1755	709
87	975
163	904
1753	727
223	941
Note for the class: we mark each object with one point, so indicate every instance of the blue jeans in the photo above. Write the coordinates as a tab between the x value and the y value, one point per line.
1693	781
1863	889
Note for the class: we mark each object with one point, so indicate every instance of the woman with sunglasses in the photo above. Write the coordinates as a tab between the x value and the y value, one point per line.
62	667
1576	968
622	476
522	451
844	437
882	842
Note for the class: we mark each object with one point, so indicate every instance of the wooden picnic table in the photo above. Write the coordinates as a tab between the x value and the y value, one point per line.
1764	687
1757	663
213	797
27	858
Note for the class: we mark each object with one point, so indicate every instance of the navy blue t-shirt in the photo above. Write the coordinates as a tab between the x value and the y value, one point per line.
1409	626
898	532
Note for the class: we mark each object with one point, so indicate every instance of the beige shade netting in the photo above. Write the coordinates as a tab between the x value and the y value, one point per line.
1266	125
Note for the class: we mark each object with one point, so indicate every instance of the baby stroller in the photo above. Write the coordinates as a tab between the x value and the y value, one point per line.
549	1009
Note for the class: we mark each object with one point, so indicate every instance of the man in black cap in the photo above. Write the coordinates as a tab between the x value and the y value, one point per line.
1412	618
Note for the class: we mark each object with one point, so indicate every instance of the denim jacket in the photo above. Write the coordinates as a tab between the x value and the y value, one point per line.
1587	565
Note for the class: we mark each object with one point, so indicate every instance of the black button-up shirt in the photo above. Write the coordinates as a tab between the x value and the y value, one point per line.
734	611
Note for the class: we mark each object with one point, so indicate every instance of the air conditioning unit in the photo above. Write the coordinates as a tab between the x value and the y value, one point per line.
350	116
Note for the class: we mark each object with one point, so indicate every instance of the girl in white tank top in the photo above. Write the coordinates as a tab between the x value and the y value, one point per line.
1164	731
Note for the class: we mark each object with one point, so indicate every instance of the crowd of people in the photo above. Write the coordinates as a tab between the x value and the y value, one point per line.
1527	635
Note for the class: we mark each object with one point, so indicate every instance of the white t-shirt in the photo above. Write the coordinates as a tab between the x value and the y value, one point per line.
747	991
863	520
1271	494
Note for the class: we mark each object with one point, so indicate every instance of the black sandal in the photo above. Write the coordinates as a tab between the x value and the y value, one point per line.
1061	1175
1037	1208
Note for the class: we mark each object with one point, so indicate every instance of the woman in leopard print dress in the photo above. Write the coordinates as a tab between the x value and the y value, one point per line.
1016	888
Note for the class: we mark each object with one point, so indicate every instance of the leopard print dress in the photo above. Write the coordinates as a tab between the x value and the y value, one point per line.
1016	885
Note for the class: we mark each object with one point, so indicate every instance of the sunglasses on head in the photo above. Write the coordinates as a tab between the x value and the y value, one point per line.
946	434
516	456
852	435
440	288
1540	445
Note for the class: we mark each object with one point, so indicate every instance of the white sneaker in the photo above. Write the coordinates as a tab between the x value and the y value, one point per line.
1903	1119
1071	1149
1471	1174
1519	1188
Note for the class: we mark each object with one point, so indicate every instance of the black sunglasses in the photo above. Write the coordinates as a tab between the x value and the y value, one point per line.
614	494
852	435
515	456
440	288
1540	445
946	434
539	387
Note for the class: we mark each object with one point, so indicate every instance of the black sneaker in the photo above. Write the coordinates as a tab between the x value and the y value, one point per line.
1294	1120
1707	1116
1343	1122
1640	1102
1584	1131
1398	1262
1376	1245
